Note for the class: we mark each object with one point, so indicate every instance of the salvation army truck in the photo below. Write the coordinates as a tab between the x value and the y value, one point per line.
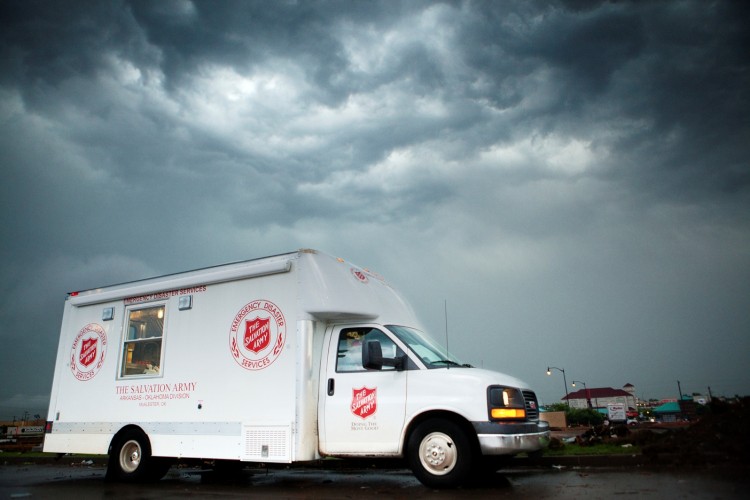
283	359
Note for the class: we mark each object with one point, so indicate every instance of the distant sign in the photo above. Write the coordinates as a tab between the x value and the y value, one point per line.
616	412
28	430
32	429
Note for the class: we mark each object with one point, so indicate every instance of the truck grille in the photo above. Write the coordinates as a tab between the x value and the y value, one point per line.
532	406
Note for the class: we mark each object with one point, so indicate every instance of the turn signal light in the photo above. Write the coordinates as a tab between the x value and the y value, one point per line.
508	413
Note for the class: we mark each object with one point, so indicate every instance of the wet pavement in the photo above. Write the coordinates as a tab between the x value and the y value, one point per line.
84	482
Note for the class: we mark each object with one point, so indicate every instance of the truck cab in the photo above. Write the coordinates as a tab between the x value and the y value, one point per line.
390	390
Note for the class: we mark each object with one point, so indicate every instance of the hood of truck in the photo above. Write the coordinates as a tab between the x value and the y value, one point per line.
457	389
490	377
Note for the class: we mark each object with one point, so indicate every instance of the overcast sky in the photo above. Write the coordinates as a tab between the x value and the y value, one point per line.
571	178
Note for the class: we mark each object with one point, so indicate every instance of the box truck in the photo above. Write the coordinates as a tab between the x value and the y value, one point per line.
283	359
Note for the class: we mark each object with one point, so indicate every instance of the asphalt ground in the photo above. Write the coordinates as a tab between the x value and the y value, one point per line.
83	480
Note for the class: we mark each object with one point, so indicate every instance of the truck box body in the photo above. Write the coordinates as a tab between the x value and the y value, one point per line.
263	361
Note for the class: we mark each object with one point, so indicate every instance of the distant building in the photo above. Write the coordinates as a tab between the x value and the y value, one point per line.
600	397
668	412
684	409
630	389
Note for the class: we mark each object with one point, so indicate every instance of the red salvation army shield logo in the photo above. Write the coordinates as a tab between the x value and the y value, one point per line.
88	352
257	335
361	276
364	401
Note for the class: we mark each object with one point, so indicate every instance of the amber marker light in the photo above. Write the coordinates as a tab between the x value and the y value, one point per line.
508	413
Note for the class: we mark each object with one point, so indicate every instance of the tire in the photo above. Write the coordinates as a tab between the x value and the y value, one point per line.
130	459
440	454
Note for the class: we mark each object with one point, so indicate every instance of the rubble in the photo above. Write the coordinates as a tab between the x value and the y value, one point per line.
721	435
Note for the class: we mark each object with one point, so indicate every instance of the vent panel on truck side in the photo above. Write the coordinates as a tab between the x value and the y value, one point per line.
267	444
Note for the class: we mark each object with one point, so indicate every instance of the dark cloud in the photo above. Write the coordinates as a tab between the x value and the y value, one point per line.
567	174
47	44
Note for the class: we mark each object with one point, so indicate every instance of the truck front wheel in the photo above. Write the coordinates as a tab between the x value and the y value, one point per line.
440	454
130	459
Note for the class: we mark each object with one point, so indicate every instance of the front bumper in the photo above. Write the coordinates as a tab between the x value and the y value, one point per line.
511	438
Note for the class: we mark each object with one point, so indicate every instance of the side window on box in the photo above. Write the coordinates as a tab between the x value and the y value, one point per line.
144	334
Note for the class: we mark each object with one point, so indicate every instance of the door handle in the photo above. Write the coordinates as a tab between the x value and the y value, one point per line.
331	387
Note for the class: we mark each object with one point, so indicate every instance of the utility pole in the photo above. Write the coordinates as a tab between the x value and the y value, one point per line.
565	381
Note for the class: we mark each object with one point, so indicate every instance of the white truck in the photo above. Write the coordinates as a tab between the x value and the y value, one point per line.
283	359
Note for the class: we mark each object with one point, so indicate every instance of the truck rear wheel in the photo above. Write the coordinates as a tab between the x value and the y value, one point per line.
440	454
130	459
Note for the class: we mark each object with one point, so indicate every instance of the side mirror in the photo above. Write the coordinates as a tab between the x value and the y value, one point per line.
372	355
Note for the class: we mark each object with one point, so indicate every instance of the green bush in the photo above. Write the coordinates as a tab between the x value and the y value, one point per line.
578	416
557	407
587	416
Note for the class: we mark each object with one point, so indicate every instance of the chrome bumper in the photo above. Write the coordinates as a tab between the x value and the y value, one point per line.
511	439
512	444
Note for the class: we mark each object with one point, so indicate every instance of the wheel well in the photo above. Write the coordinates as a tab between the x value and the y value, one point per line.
445	415
125	430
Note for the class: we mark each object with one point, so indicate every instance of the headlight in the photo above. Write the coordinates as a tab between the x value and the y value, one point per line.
505	403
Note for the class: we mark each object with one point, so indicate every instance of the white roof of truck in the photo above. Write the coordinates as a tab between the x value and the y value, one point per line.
329	287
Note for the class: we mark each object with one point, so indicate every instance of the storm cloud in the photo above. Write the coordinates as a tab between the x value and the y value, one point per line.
570	179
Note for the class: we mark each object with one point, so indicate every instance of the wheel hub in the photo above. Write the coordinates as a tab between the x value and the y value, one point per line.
130	456
438	454
435	454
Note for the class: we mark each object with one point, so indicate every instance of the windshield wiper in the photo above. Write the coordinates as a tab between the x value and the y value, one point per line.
448	362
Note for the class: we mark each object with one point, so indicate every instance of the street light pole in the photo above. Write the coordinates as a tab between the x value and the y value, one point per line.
586	389
565	382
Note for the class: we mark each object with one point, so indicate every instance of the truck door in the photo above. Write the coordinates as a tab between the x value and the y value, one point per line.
363	409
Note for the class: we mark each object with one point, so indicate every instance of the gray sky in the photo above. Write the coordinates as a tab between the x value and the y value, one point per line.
572	177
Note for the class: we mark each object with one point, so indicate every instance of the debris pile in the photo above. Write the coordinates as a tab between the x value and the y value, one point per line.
721	435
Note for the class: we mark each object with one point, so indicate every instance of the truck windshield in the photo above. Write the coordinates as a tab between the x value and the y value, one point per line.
432	354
